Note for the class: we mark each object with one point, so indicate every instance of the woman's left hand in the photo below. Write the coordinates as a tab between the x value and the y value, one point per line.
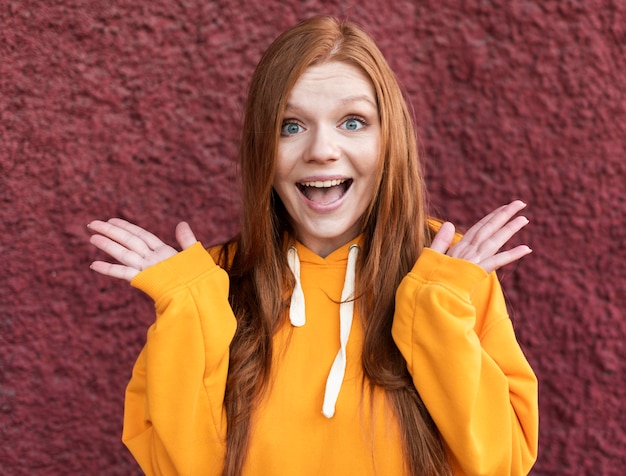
482	242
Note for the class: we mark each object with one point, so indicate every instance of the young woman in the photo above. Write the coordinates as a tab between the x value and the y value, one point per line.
343	332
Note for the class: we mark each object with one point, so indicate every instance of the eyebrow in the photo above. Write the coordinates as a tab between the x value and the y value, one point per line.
358	98
342	101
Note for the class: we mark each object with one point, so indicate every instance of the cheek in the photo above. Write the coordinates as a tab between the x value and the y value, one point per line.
371	171
285	157
280	167
369	154
283	182
370	164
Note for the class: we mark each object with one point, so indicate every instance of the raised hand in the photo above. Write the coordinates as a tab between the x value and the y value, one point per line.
482	242
132	246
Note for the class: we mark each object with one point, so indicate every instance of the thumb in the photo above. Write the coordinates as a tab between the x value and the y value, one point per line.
443	238
184	235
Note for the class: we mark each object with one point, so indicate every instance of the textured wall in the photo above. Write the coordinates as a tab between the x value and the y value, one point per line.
132	109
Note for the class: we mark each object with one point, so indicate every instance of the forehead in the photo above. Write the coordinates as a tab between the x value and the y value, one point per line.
333	79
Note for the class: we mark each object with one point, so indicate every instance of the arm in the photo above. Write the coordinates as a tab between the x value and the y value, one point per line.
174	421
452	327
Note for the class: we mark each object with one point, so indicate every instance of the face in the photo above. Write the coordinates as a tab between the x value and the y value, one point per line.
328	154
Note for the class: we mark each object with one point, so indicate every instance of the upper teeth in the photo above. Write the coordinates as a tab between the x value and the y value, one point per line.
323	183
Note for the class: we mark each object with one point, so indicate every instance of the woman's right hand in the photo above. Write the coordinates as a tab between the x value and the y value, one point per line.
132	246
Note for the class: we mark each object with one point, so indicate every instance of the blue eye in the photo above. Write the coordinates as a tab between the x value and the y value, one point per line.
290	128
353	124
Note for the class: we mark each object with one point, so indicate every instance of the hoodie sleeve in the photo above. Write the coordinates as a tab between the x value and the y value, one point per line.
174	421
453	329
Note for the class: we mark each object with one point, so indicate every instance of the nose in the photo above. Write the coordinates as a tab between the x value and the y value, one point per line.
323	145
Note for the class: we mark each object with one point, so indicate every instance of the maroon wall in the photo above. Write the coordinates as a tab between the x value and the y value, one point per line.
132	109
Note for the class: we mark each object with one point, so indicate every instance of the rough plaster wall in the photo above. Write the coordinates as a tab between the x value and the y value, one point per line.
132	109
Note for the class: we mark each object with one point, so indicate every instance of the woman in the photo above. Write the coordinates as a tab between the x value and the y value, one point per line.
342	332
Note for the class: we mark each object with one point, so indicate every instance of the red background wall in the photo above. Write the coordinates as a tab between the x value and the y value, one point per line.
132	109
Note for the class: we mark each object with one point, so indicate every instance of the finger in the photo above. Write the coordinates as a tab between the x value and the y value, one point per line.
443	238
471	233
497	219
184	235
150	239
499	260
114	270
492	244
114	232
117	251
482	251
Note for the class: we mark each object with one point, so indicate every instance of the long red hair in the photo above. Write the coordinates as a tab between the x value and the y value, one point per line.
260	277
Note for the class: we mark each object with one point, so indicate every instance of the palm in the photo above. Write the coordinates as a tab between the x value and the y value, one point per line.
134	248
482	242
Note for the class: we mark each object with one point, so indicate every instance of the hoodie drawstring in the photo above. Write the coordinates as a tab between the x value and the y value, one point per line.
346	313
297	315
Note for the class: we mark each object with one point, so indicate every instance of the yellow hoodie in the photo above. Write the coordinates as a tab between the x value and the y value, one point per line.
451	325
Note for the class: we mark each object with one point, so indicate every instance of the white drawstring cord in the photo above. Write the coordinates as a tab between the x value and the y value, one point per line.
346	313
297	314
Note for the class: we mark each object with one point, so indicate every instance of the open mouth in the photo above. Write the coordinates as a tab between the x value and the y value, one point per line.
324	192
